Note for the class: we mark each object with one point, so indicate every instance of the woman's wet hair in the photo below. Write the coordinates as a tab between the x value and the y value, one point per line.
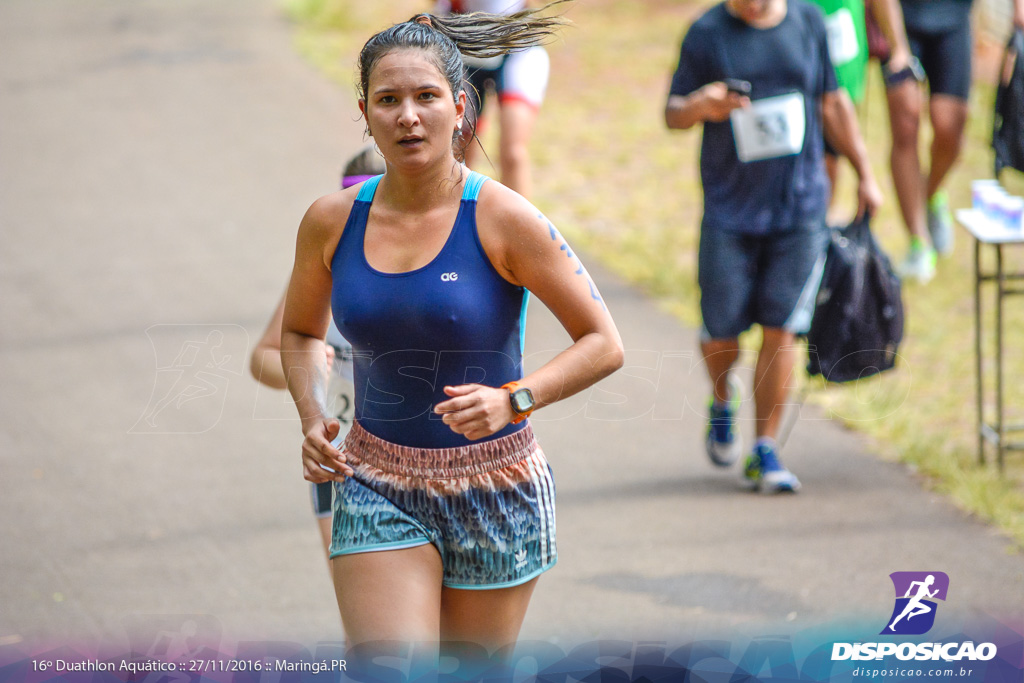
448	38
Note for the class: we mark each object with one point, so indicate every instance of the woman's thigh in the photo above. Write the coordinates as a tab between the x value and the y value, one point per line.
490	618
390	594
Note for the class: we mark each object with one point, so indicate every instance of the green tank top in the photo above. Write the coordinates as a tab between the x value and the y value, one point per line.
847	43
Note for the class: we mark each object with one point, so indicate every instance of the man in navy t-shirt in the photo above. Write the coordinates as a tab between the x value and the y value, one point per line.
757	75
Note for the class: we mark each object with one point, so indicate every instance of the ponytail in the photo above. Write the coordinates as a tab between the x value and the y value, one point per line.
447	38
479	34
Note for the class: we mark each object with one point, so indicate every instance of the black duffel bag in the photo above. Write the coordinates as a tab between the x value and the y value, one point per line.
1008	128
858	317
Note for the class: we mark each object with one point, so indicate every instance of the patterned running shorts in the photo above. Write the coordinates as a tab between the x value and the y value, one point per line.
488	508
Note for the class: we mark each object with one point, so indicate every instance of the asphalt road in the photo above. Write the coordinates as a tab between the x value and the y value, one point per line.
155	159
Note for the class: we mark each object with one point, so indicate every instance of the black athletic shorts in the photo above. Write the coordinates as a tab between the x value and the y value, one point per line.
946	58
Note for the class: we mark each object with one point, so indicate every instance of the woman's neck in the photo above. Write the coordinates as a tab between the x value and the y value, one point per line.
423	189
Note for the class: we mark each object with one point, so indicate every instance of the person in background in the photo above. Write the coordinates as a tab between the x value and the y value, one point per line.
265	361
848	50
756	74
939	34
519	81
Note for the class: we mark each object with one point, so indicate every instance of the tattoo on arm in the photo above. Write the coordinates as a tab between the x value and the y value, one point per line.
580	270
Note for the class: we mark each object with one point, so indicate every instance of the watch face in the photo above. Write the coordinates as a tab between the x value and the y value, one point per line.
522	400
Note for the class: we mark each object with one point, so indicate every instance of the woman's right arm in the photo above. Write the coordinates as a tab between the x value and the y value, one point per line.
303	327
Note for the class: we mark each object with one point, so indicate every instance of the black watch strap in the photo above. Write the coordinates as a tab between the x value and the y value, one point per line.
912	70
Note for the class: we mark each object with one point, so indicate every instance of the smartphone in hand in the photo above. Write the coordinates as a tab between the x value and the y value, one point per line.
740	87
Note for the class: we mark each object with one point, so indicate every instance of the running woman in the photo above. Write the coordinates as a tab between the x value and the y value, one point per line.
519	80
756	74
444	503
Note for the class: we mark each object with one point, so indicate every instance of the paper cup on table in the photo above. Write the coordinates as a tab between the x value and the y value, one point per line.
978	189
1013	213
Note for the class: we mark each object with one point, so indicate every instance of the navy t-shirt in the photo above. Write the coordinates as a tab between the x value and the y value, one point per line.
768	194
935	16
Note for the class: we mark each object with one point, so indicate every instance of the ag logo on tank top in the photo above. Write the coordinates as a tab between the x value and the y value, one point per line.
770	127
449	277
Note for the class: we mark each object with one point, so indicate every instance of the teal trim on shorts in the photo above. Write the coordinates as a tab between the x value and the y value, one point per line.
378	547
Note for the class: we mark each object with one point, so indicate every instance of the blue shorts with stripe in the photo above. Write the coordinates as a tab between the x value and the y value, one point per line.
770	280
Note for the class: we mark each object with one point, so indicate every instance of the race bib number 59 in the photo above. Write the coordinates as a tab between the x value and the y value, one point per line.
769	128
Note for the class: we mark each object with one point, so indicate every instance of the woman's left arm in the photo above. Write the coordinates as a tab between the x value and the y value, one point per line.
527	250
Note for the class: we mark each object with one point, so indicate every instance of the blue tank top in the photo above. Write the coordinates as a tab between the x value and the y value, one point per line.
453	321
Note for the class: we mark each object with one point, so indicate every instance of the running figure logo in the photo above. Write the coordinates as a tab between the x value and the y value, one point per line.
914	612
194	365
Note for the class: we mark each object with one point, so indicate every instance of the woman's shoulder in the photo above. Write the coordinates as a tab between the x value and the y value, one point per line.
499	204
508	224
330	207
328	214
321	228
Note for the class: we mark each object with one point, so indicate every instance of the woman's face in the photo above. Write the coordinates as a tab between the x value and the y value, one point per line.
409	108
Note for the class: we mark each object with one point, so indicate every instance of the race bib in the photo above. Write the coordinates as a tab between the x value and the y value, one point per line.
341	390
842	37
769	128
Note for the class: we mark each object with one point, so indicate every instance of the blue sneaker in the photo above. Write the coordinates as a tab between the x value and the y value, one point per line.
723	443
763	471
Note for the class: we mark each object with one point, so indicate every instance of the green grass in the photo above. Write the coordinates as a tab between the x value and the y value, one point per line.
627	191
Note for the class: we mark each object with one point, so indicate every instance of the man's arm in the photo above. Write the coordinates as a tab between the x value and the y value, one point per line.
1018	13
843	132
889	16
712	102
